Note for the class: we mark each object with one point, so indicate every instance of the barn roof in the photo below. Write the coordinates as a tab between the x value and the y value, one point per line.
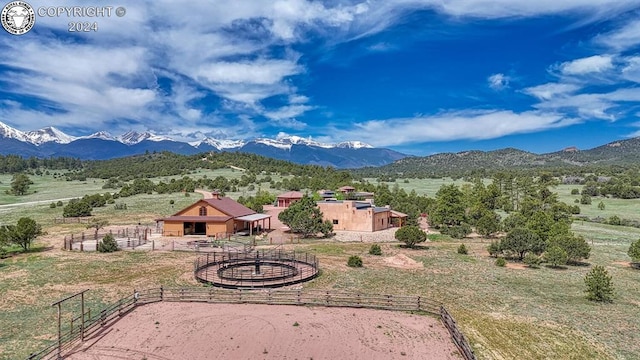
229	206
196	218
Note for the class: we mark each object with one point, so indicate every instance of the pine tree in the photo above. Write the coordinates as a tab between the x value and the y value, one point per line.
599	285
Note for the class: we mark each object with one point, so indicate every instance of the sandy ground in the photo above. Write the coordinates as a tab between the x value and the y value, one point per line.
198	331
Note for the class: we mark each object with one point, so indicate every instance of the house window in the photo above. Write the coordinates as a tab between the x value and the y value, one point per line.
203	211
335	222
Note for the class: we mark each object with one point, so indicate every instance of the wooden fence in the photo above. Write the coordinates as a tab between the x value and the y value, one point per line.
136	236
94	321
457	336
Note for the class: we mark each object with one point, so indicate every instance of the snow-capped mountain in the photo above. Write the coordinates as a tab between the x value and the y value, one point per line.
134	137
8	132
218	144
353	145
49	134
104	135
297	140
101	145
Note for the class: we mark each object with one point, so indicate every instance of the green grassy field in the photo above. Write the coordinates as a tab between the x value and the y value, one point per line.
46	187
507	313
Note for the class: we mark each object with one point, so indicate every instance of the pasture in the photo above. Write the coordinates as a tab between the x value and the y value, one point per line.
510	312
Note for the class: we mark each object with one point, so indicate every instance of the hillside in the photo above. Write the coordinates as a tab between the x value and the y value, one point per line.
618	154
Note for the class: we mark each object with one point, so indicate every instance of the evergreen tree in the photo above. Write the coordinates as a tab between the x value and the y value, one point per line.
305	218
634	251
20	184
411	235
22	234
599	285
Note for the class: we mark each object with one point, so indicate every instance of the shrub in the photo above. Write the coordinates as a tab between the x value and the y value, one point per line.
59	203
494	248
601	205
457	231
575	192
462	249
411	235
52	205
108	244
599	285
585	199
532	260
354	261
614	220
501	262
77	208
556	256
634	251
375	250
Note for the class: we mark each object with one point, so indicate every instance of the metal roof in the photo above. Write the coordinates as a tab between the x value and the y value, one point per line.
253	217
196	218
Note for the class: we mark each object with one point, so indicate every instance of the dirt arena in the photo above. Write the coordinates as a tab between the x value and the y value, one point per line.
199	331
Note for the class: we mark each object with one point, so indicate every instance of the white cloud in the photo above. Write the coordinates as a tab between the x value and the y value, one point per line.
457	125
261	72
631	70
550	90
213	46
623	38
498	81
380	47
588	65
298	99
287	112
592	105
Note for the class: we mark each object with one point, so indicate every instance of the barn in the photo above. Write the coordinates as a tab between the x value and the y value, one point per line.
215	217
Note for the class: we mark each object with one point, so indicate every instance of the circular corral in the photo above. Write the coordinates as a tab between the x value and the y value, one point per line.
256	269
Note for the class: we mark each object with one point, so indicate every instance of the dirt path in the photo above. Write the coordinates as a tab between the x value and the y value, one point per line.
205	194
34	202
220	331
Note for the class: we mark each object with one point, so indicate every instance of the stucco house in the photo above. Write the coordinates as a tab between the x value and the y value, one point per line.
286	199
359	215
215	217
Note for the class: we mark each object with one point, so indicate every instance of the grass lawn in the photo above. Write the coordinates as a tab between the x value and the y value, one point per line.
506	312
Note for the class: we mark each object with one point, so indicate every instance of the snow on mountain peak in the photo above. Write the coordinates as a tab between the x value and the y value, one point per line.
281	141
286	139
7	131
353	145
220	144
134	137
104	135
49	134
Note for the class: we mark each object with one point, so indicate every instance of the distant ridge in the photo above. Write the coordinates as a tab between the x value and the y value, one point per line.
102	145
621	152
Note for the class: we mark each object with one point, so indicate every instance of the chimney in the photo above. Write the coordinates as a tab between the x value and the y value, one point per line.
215	194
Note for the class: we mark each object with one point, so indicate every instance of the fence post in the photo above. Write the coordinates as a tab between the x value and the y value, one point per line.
161	294
419	303
82	245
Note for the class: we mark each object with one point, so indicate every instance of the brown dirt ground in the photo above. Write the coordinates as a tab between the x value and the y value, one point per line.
402	261
200	331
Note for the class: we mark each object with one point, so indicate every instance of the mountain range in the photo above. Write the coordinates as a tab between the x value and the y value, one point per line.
102	145
622	153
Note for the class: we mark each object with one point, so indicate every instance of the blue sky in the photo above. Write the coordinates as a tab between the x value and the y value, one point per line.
416	76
